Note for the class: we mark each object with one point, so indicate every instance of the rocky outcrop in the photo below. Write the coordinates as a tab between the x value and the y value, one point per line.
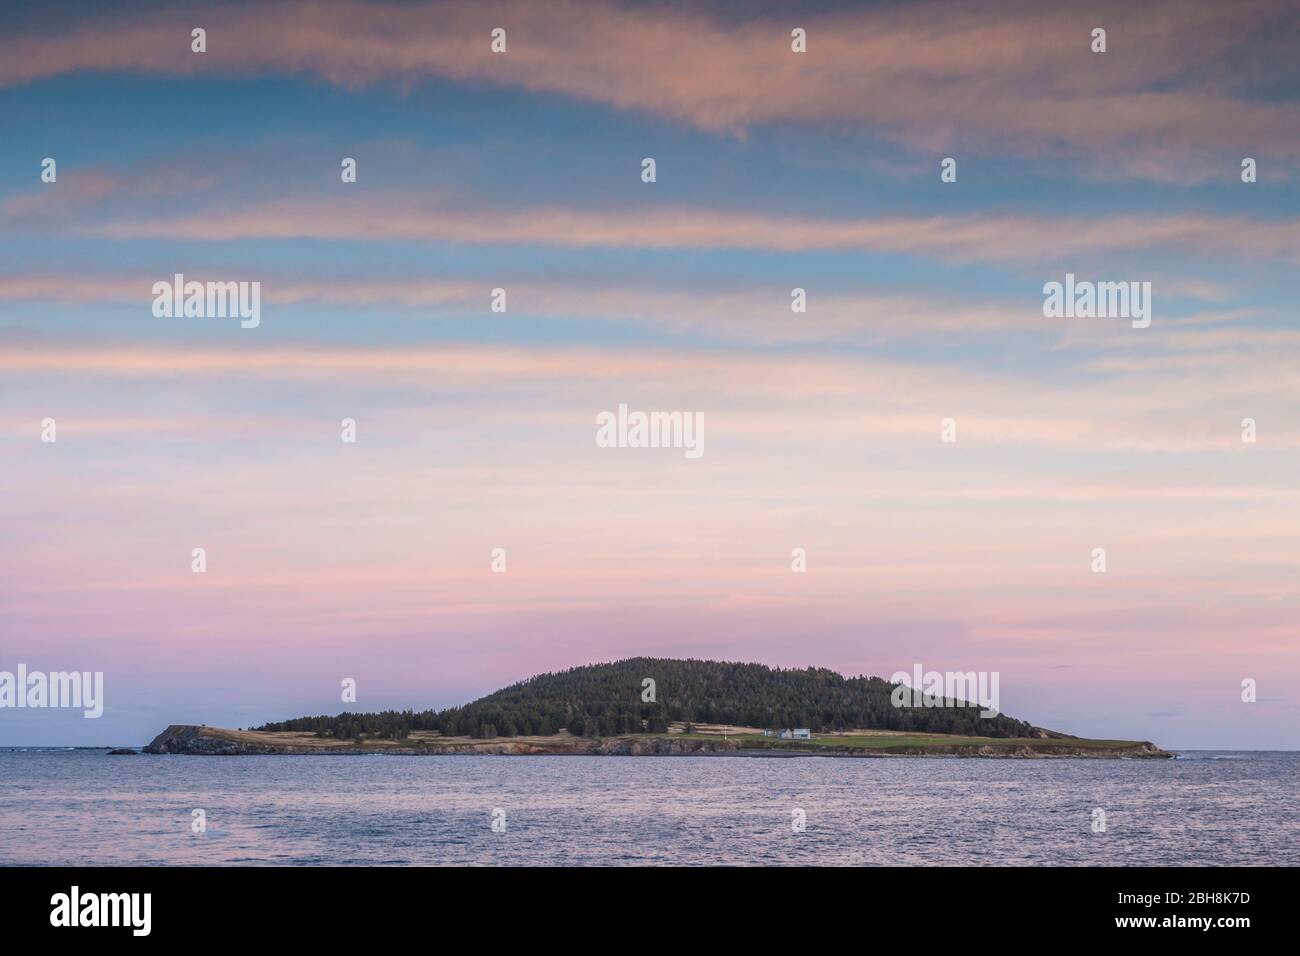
658	746
191	739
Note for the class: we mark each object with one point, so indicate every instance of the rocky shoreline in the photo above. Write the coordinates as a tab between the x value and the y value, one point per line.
197	740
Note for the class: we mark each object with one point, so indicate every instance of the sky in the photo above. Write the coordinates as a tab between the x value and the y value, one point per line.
475	429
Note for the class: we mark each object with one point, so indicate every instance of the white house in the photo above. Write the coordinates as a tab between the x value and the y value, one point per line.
800	733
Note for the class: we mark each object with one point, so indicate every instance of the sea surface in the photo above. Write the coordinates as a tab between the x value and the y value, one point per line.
84	807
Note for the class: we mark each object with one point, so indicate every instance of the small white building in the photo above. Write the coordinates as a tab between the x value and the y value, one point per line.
799	733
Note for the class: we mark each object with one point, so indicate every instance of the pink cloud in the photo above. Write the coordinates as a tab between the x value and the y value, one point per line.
989	237
1007	76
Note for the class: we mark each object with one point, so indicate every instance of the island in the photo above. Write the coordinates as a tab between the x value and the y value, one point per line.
665	707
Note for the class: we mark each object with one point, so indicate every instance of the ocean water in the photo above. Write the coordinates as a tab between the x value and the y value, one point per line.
87	808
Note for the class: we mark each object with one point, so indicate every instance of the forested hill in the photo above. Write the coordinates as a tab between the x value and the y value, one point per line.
607	699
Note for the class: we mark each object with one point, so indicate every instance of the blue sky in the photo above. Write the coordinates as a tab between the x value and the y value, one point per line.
775	170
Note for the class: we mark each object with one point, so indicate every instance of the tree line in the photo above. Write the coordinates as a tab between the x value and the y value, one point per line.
600	700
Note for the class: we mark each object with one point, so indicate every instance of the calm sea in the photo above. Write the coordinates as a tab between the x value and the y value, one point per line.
84	807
